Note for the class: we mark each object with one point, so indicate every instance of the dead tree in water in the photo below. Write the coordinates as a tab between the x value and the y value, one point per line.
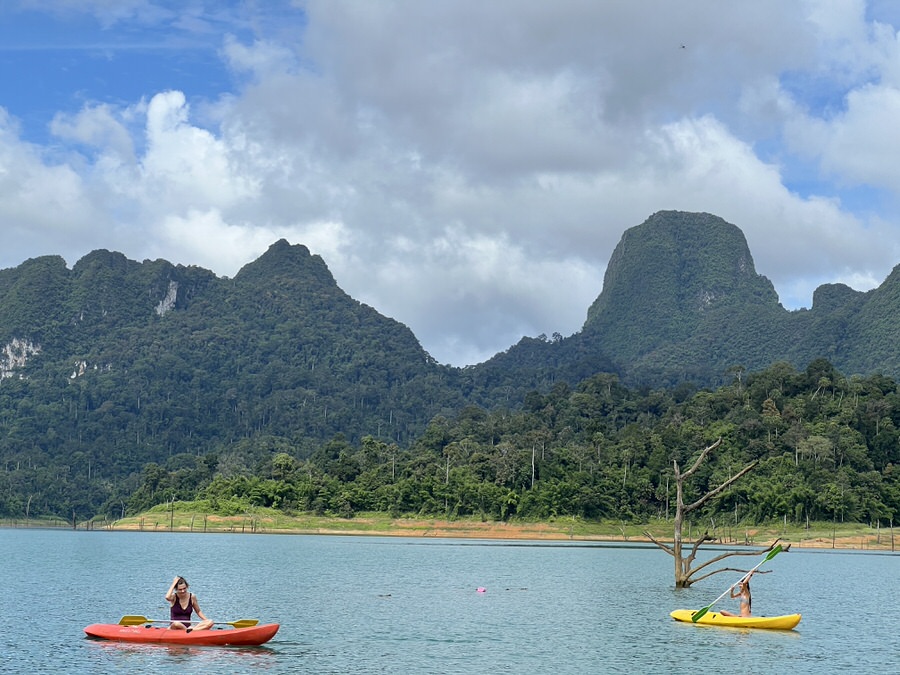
684	565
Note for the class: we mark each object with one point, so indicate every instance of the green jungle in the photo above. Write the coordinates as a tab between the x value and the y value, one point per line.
827	446
828	450
128	385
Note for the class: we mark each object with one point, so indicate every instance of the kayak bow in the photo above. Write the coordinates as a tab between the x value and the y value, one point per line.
785	622
250	636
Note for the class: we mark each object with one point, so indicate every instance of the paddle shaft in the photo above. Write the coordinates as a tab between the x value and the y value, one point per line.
136	620
775	551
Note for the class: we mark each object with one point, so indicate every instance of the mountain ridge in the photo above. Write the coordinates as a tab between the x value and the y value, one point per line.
672	283
117	364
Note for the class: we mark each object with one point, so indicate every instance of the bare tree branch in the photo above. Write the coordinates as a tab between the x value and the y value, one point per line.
706	536
729	554
709	495
665	547
690	472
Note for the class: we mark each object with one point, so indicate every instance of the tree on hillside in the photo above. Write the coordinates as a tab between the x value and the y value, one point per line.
685	571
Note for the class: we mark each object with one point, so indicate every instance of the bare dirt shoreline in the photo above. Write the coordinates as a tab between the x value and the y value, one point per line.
849	537
536	532
861	538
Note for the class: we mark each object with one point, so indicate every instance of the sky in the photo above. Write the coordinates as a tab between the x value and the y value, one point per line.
464	167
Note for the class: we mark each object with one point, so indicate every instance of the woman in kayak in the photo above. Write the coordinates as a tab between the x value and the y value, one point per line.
183	605
743	593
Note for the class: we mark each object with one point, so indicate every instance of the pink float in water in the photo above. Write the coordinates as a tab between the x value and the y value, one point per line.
482	589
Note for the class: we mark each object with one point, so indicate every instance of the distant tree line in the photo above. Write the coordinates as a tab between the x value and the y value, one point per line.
828	449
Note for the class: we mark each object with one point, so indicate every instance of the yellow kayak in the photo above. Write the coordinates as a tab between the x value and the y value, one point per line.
786	622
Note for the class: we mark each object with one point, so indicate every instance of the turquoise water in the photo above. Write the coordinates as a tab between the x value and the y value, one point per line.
398	605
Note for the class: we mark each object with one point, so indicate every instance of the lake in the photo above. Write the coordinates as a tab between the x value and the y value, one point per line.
409	605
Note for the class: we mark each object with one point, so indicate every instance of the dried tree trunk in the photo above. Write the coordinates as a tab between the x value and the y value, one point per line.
685	572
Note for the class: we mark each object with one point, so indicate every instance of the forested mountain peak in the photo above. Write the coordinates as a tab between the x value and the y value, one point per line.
117	363
871	337
31	295
669	281
284	259
675	266
103	259
831	297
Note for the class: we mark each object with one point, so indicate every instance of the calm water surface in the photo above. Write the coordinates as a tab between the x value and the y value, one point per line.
389	605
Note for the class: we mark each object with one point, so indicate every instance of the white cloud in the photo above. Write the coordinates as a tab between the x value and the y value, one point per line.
510	291
185	164
98	127
43	205
468	167
260	59
859	146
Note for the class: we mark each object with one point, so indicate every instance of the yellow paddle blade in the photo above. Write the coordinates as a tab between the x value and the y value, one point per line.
133	620
243	623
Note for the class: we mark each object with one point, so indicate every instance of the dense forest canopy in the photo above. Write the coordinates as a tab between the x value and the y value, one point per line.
827	445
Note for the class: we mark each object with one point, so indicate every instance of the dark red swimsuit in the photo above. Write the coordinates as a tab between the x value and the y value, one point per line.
177	613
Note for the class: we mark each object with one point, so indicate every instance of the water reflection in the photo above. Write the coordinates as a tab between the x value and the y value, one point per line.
215	658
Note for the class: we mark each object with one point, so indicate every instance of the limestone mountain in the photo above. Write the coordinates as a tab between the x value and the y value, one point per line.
115	363
682	300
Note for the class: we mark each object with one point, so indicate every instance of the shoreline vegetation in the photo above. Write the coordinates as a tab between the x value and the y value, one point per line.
848	536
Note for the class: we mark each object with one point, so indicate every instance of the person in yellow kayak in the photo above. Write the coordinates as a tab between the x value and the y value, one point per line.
742	592
183	604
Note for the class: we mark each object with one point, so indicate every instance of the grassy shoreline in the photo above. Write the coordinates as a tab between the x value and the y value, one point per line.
265	521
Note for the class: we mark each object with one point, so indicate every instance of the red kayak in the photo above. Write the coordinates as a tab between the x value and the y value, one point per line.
254	635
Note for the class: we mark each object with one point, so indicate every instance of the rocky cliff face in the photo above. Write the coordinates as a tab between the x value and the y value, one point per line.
14	356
